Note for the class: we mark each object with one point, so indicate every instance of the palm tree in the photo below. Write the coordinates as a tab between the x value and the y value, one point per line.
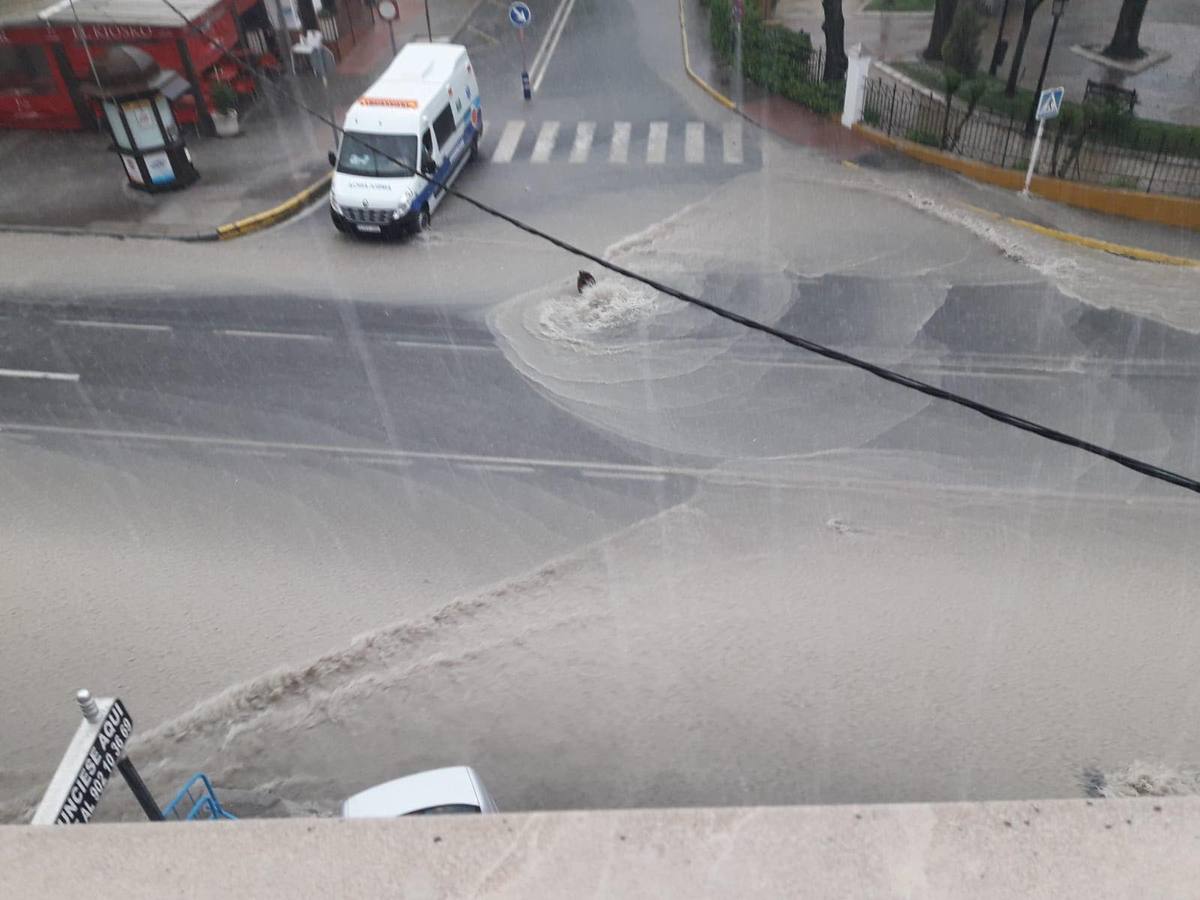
1124	44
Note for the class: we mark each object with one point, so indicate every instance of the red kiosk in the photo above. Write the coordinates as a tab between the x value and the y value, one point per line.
45	48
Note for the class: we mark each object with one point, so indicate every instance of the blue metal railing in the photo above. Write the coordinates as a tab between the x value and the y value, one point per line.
206	806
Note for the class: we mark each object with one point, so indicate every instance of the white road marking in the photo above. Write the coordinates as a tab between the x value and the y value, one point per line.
545	142
618	151
250	451
656	145
123	326
508	141
277	335
368	454
639	476
693	143
38	375
798	480
584	133
446	345
731	137
548	47
500	467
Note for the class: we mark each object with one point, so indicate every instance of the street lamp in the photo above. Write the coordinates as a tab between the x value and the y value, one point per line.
1057	8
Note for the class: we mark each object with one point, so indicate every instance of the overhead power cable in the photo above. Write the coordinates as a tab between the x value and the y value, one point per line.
1140	466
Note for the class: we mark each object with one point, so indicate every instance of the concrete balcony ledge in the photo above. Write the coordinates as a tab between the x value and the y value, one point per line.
1055	849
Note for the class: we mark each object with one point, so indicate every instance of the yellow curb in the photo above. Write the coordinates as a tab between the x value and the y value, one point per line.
1178	212
1079	240
284	210
1107	246
687	65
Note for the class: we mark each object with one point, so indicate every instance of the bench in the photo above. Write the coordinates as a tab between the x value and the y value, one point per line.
1110	93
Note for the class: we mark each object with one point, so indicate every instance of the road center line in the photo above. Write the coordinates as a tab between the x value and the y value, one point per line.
499	467
551	44
120	326
636	476
37	375
277	335
446	345
369	454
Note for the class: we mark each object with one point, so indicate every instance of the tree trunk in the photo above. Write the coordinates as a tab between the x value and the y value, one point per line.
943	15
1031	7
834	27
1124	44
995	64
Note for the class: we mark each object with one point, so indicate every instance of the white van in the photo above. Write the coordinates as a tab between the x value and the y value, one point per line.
425	112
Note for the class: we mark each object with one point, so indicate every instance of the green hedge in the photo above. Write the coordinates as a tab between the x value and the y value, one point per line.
773	57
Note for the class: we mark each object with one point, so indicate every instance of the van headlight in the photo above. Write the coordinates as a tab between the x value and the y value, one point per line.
405	202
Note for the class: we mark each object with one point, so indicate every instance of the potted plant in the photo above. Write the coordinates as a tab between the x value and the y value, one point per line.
225	116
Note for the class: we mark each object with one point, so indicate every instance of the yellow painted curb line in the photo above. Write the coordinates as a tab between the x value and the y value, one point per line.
1107	246
284	210
687	65
1079	240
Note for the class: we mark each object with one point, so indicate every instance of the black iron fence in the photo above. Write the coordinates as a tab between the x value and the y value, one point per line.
812	66
1075	148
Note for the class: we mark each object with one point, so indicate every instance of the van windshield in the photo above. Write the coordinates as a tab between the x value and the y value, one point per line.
368	154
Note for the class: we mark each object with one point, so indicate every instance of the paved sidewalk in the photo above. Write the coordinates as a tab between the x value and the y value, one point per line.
71	180
1169	90
798	125
784	118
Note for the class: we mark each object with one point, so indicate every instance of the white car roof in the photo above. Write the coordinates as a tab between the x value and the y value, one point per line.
431	63
409	88
437	787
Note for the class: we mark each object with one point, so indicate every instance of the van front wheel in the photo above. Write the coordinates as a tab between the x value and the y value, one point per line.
422	220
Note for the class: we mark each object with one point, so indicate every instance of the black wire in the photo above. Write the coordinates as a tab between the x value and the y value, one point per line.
1140	466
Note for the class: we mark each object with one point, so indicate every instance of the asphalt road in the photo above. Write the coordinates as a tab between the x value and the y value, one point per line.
225	460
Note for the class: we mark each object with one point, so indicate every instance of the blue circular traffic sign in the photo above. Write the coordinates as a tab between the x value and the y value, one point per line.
520	14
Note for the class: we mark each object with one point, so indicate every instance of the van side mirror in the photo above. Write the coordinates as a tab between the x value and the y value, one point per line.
428	166
332	158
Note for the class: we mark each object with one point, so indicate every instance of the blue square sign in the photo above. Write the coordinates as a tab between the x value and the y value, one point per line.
1050	103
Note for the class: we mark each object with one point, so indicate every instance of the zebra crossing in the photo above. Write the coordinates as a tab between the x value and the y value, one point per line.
654	143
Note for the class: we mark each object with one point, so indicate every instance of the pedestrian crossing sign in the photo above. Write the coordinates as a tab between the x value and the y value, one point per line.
1050	103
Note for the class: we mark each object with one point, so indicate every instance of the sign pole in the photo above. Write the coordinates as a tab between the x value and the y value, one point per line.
325	65
388	10
283	36
525	88
428	27
739	12
144	798
1033	157
520	16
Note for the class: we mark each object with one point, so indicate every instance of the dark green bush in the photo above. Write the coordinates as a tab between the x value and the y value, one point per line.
773	57
924	136
822	97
